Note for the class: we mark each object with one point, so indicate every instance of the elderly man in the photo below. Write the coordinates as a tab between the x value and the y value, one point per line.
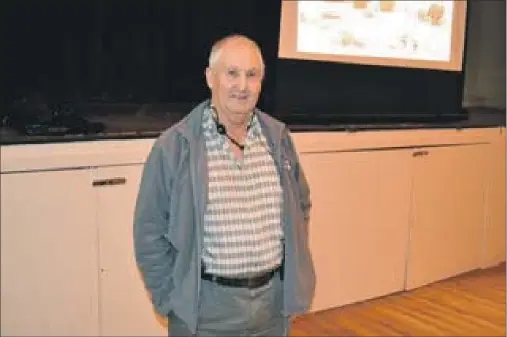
220	225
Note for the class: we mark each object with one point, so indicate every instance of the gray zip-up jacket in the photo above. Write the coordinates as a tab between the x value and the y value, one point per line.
169	218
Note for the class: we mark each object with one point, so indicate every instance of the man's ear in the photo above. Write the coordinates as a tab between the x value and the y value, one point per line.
208	75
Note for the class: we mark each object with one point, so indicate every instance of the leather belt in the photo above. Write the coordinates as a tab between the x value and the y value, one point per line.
250	282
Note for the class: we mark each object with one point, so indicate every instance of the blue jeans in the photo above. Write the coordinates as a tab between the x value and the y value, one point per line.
228	311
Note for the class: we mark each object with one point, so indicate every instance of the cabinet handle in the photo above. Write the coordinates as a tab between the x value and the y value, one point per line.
109	181
420	153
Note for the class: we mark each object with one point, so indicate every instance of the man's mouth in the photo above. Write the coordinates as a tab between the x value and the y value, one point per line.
240	97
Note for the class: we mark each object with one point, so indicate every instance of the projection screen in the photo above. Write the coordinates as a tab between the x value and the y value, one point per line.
411	34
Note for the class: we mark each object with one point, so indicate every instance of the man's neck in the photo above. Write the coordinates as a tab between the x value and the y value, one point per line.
237	131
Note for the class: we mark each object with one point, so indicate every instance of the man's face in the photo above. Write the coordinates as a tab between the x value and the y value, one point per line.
235	80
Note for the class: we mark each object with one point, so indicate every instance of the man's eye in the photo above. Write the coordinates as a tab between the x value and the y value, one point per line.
233	73
251	74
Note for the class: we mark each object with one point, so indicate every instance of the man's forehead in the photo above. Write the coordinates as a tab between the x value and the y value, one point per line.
241	63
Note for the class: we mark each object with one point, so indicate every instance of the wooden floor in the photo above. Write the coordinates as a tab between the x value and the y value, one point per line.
472	304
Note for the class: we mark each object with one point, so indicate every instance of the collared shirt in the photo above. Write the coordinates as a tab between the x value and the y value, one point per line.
242	222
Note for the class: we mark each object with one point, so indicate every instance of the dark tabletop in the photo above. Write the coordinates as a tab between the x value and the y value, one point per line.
150	122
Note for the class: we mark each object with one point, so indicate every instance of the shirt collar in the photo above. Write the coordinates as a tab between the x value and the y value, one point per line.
209	126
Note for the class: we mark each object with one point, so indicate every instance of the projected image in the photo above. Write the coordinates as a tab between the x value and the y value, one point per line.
416	30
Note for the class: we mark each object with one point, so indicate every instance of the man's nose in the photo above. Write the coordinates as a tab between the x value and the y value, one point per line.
242	82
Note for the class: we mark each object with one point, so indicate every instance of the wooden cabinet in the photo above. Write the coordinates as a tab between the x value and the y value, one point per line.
358	226
387	215
125	308
68	264
49	254
494	234
385	220
447	216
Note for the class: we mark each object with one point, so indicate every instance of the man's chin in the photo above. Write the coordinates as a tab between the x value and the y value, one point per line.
243	103
241	107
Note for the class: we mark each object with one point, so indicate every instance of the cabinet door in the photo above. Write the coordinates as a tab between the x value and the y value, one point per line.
49	254
125	307
358	226
446	234
494	243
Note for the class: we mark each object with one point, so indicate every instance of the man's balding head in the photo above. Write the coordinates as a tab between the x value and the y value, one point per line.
235	40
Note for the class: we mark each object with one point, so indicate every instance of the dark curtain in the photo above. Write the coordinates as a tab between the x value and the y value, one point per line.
127	50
